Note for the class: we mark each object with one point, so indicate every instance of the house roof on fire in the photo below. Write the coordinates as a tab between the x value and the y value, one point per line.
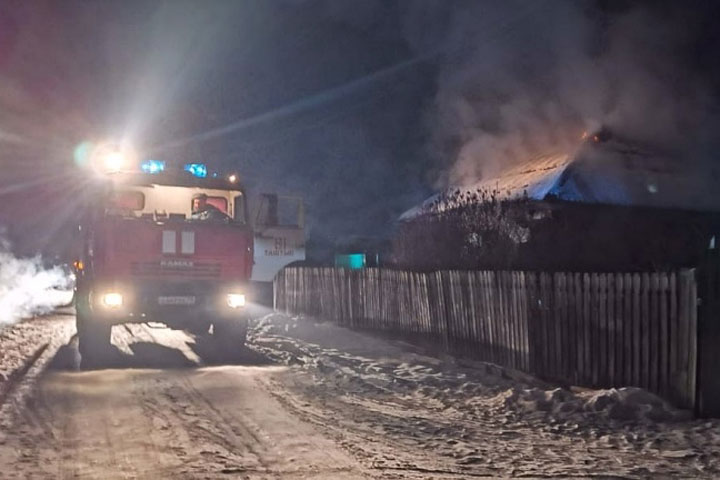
611	173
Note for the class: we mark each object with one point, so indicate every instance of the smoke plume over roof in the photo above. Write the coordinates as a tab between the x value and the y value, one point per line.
521	78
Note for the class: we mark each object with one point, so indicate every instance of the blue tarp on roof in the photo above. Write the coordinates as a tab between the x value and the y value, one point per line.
612	173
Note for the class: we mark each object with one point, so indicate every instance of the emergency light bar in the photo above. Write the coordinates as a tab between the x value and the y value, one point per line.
197	169
152	166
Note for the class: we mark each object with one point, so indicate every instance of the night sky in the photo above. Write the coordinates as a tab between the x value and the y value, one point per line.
363	107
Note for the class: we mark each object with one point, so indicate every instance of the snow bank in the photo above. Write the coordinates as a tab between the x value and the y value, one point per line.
332	350
402	408
627	404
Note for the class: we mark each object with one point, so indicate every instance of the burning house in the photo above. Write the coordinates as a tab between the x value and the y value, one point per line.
608	205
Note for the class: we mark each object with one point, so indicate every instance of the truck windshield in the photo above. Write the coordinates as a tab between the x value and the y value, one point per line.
126	200
177	203
208	208
205	201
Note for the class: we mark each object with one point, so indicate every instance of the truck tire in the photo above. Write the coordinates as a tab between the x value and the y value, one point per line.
231	333
199	328
93	334
93	342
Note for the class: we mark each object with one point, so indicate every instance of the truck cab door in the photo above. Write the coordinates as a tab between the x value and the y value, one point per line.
279	235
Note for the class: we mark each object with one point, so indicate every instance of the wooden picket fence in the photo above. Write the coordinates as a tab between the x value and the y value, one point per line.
599	330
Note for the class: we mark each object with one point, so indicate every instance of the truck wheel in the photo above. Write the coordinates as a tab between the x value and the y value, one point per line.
93	339
200	328
231	333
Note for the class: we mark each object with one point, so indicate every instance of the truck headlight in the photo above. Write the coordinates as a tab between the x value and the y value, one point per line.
235	300
112	300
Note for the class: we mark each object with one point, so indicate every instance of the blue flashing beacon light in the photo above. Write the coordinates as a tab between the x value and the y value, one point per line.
197	169
152	166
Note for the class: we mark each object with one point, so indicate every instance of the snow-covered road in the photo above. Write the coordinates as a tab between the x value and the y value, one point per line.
311	400
161	412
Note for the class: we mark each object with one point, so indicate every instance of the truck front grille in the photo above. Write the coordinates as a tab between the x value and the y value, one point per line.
178	269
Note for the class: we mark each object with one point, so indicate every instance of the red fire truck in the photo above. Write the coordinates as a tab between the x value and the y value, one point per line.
163	244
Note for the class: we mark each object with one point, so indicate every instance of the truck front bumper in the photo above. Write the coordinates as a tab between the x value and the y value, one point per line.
174	303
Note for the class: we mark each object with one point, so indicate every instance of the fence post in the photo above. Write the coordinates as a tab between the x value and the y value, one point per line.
275	288
439	313
534	333
708	331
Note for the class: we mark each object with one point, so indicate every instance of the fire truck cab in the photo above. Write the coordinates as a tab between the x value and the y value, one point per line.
162	245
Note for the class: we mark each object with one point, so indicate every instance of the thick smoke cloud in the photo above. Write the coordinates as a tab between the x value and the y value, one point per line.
27	288
484	83
520	78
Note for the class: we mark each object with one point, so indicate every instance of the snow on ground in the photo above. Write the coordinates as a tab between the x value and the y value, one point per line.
404	411
22	342
25	350
156	414
399	410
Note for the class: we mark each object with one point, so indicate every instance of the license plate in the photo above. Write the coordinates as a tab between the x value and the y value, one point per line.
176	300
